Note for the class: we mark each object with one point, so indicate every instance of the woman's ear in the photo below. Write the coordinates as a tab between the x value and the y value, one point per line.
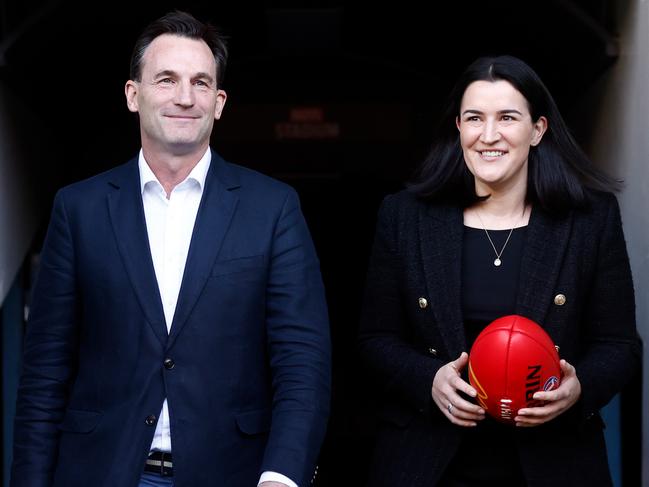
540	127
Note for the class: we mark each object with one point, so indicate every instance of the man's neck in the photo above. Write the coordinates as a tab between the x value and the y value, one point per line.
172	169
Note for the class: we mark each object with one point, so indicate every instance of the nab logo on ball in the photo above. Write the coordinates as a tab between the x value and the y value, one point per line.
511	359
551	383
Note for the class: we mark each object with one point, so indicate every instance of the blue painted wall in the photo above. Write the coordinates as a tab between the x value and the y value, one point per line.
612	433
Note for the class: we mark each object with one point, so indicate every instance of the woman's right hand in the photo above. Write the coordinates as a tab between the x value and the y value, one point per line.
446	384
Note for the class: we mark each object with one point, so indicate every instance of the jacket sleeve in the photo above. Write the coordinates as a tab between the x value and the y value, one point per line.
49	358
386	343
299	349
611	352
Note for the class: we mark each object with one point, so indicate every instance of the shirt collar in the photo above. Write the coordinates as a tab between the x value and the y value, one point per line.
198	172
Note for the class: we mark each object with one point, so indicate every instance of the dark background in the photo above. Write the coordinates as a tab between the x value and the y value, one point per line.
339	99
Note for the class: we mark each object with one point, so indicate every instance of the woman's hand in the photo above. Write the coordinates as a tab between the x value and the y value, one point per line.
446	384
556	402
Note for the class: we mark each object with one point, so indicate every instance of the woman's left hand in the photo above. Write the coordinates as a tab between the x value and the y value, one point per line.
556	402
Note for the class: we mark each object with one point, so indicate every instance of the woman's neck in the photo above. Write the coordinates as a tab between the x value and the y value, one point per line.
498	212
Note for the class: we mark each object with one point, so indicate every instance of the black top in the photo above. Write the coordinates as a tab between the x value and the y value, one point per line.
488	452
489	291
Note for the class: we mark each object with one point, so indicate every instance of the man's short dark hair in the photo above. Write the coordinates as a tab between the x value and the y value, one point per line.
184	25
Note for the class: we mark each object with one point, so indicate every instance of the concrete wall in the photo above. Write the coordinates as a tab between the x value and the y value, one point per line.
620	144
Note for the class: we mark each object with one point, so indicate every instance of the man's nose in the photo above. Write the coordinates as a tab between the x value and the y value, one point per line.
184	95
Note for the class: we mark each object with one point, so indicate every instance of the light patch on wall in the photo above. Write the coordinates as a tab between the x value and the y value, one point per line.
18	213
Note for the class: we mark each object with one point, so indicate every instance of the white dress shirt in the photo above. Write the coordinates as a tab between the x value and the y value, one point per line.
170	224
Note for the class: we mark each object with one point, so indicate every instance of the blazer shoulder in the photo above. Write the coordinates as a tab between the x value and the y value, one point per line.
406	205
599	204
99	181
256	183
402	201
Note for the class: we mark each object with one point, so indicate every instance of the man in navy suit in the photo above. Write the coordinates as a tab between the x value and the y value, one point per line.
178	333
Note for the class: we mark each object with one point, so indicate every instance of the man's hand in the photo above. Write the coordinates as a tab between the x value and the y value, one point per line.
556	402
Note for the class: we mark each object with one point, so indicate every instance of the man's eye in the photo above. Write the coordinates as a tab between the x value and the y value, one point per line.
165	81
201	83
507	118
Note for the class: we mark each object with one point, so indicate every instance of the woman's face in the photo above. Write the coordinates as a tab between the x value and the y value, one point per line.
496	133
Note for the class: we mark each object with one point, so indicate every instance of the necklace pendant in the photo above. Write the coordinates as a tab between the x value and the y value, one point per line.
497	262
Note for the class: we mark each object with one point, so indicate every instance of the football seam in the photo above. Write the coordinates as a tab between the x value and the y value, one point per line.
541	345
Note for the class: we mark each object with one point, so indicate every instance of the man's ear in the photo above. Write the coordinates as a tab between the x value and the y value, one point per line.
221	96
131	91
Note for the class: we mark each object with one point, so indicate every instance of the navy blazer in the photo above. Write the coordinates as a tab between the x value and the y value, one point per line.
248	384
417	254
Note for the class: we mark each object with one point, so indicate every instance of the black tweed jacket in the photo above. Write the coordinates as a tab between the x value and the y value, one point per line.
417	254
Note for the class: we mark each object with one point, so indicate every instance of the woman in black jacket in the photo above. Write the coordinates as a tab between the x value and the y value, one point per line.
507	216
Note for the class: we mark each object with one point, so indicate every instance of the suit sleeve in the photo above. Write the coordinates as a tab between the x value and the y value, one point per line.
385	341
49	358
299	349
612	351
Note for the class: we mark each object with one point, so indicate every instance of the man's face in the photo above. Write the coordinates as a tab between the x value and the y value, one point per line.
177	97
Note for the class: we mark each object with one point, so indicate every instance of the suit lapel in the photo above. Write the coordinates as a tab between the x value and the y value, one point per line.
440	240
215	213
544	250
129	224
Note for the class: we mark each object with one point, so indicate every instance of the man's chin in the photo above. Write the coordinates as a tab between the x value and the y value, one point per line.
185	147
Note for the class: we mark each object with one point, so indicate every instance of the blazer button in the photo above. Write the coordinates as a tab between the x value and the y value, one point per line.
423	303
432	351
150	420
169	364
560	299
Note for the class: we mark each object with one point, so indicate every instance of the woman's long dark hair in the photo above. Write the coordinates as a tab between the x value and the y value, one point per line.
558	170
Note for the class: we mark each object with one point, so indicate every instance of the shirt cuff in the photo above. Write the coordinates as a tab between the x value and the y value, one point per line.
276	477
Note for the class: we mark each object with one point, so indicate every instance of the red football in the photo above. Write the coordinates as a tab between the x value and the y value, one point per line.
511	359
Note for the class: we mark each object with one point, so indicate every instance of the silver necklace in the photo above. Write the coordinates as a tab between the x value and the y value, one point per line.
497	261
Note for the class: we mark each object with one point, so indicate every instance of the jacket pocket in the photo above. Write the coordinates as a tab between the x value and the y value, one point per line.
240	264
79	421
254	422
